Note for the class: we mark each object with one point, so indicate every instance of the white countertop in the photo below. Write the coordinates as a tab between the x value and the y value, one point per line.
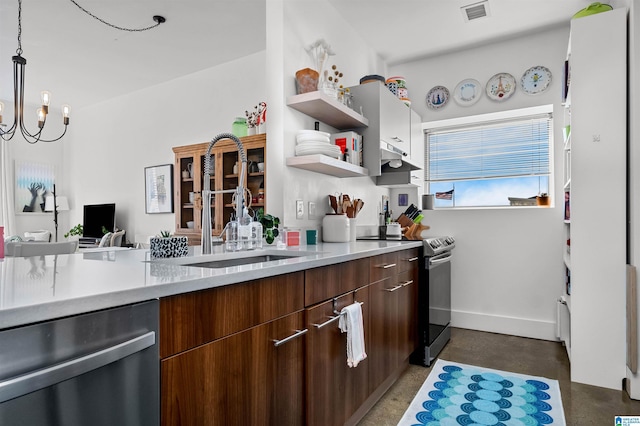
40	288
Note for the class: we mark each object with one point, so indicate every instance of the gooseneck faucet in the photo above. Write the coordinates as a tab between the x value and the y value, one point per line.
207	228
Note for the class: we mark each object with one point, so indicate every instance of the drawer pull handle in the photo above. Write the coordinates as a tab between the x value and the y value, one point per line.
393	289
298	333
413	259
386	265
406	283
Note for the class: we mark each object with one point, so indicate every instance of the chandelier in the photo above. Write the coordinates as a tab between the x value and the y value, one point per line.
19	64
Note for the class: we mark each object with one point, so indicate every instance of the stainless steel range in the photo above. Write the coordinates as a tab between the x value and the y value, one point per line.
434	299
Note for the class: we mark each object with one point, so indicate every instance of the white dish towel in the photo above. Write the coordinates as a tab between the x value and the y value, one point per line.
351	323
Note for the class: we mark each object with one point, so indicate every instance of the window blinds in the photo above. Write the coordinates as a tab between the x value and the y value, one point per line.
506	148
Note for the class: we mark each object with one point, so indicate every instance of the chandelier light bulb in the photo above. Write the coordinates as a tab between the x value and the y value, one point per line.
41	117
46	98
66	110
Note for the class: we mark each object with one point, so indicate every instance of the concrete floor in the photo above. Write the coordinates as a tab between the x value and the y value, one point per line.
583	404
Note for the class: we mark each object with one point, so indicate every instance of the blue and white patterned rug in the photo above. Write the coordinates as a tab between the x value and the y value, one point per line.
458	394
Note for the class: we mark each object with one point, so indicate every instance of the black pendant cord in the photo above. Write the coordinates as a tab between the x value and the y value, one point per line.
158	20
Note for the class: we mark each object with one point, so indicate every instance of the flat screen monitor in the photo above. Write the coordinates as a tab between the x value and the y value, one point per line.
97	216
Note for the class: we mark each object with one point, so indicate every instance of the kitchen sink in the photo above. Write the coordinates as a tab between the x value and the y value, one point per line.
231	259
224	263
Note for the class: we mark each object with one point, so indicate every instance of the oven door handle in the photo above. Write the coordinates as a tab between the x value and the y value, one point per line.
49	376
440	258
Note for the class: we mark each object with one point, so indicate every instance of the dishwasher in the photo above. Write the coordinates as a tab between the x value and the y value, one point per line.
99	368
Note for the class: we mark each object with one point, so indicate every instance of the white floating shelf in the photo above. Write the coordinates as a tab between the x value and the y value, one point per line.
329	166
323	108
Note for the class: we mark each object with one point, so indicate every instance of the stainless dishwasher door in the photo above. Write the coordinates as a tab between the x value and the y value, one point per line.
100	368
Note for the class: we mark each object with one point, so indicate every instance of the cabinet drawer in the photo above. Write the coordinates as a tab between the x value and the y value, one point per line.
331	281
192	319
242	379
383	266
408	259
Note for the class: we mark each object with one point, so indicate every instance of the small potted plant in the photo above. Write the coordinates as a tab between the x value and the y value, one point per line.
74	233
166	245
269	226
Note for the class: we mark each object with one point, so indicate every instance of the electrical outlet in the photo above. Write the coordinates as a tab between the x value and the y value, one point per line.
299	209
312	210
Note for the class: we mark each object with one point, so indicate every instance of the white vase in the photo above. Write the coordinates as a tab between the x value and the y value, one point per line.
251	131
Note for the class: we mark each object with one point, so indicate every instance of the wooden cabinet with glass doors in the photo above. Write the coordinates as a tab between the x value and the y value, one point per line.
189	183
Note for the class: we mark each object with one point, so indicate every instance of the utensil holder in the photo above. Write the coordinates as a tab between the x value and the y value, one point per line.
161	247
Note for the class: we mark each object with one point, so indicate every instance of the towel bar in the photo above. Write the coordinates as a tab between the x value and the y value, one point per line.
332	319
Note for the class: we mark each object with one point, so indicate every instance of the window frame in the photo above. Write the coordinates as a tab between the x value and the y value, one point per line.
490	118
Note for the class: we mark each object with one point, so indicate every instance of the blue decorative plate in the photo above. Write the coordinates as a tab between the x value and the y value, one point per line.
467	92
437	97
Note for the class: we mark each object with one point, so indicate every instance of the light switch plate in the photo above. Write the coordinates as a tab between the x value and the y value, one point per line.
299	209
312	210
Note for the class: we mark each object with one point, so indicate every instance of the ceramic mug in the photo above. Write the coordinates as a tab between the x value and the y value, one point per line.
261	167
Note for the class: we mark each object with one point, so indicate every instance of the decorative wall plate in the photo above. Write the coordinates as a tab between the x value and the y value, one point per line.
501	86
437	97
535	80
467	92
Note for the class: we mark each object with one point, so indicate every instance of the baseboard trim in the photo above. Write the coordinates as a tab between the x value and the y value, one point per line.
523	327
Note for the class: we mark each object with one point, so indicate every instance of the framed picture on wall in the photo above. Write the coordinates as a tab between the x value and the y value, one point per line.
158	189
33	183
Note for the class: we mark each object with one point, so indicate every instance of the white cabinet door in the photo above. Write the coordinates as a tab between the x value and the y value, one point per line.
395	128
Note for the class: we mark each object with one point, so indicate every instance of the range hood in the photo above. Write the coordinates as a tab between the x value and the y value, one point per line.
395	167
393	159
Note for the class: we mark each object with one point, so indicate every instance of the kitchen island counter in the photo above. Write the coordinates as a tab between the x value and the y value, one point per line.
47	287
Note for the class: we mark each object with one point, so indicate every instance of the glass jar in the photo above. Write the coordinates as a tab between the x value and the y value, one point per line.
239	127
232	236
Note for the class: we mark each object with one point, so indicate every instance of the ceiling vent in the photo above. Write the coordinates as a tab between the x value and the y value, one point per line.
475	11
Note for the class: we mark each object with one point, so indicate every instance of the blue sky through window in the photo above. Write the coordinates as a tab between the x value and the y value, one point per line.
489	192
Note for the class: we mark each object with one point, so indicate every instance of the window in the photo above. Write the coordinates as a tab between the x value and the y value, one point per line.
501	159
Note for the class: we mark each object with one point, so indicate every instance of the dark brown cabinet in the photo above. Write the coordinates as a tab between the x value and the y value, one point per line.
387	287
334	390
221	363
393	299
243	379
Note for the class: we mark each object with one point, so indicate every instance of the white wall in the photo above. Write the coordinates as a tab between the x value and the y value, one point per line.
508	269
305	23
115	140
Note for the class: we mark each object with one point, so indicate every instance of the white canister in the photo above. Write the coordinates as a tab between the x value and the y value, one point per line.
335	228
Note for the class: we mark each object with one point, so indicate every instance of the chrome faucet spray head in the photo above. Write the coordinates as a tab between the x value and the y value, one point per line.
207	227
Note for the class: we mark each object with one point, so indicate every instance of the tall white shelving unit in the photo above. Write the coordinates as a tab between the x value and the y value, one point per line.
595	180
